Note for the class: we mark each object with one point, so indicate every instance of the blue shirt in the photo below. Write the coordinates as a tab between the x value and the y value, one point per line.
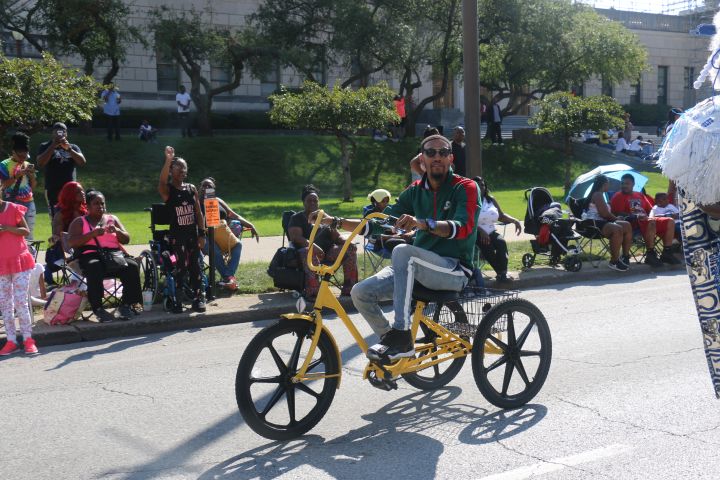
112	103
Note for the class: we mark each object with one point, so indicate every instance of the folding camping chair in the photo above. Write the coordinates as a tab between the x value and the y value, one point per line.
590	233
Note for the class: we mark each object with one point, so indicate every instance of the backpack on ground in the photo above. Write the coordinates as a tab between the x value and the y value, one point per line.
286	269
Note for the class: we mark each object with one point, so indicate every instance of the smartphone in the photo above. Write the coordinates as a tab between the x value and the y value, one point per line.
60	133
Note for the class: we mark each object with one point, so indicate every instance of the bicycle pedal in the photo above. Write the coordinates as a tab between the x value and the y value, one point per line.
381	383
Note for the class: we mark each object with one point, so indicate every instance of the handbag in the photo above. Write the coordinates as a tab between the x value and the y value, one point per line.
113	260
64	305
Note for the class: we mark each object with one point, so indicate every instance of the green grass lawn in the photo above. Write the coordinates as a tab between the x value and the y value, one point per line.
261	176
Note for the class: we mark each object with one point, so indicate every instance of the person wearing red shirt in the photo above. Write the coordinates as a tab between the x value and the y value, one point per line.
636	207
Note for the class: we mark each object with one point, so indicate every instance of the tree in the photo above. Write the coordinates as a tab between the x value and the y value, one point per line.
35	94
341	112
529	48
192	41
95	30
565	115
399	37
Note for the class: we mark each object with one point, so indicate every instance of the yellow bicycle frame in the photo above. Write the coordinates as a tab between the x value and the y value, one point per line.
448	344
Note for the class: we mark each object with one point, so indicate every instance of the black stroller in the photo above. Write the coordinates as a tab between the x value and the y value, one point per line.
554	235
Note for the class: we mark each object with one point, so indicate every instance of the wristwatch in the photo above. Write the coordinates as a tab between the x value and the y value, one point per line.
432	224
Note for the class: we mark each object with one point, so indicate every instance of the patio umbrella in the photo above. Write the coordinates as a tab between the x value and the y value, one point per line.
583	184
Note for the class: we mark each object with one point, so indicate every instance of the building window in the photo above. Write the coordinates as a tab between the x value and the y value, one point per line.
168	74
662	85
635	92
270	81
220	75
607	88
689	78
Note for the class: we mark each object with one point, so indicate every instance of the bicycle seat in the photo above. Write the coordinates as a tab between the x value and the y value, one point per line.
424	294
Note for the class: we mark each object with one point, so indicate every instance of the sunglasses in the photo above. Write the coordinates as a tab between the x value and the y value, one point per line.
431	152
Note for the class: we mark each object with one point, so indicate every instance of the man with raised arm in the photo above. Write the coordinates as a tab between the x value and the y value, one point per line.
443	207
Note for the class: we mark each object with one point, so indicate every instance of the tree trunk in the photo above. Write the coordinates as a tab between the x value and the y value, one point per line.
203	103
204	107
347	147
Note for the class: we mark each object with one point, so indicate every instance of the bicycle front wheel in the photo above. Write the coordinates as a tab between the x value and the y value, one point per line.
271	404
511	353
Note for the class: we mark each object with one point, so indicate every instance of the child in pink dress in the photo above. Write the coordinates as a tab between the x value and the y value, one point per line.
16	265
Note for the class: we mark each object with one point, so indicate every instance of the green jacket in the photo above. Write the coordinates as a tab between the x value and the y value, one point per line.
457	200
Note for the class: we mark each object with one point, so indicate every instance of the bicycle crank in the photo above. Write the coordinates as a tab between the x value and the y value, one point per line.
381	383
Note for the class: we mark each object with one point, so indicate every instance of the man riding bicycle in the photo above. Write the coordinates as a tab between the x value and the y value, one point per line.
443	207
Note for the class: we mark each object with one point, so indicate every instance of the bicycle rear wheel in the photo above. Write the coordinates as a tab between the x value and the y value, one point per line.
515	335
264	378
443	373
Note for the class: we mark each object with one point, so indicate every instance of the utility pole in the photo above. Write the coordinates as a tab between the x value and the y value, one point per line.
471	77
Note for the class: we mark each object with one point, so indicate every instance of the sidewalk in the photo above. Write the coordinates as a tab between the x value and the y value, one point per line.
249	308
263	251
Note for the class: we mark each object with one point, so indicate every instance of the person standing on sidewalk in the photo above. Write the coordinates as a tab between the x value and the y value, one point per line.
111	110
16	265
18	179
458	151
182	98
59	158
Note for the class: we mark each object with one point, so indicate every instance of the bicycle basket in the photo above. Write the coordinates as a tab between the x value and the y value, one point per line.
464	315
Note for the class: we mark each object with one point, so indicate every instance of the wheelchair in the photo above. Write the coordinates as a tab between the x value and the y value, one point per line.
158	263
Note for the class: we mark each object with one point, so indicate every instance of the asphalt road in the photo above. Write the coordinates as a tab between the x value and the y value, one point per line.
628	396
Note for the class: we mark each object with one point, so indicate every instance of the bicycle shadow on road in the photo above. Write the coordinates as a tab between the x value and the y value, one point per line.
412	430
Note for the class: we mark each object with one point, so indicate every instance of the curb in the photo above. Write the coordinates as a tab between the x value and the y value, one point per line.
252	308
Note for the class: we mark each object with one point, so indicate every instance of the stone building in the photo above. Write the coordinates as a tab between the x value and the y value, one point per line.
147	80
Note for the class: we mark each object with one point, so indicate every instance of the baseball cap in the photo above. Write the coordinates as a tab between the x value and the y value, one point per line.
379	194
59	125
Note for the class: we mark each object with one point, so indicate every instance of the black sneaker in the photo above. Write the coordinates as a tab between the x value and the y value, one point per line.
619	266
668	257
103	316
125	312
625	259
394	345
503	278
199	304
652	259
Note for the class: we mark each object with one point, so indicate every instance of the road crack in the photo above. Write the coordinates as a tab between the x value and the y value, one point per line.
643	428
628	362
107	389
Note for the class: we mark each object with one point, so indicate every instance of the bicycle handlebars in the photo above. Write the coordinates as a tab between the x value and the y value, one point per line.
330	269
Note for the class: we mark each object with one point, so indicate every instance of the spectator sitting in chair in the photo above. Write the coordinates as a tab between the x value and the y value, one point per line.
597	214
147	133
328	243
87	236
489	241
71	205
621	145
603	140
379	200
663	208
635	207
640	147
225	239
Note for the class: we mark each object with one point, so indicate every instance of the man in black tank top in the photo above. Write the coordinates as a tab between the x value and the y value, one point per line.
187	225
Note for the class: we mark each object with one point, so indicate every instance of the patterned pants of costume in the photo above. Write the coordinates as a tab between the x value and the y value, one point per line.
349	265
14	302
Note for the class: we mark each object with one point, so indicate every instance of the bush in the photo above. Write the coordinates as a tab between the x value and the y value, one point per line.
645	114
163	118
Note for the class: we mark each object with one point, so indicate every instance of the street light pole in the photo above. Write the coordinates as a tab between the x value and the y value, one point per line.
471	78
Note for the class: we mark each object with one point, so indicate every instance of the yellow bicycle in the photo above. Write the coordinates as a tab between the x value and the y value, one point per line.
298	359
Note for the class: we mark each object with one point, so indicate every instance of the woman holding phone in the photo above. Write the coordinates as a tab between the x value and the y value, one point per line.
18	179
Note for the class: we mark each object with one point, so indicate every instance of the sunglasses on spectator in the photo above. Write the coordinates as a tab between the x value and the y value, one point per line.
431	152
